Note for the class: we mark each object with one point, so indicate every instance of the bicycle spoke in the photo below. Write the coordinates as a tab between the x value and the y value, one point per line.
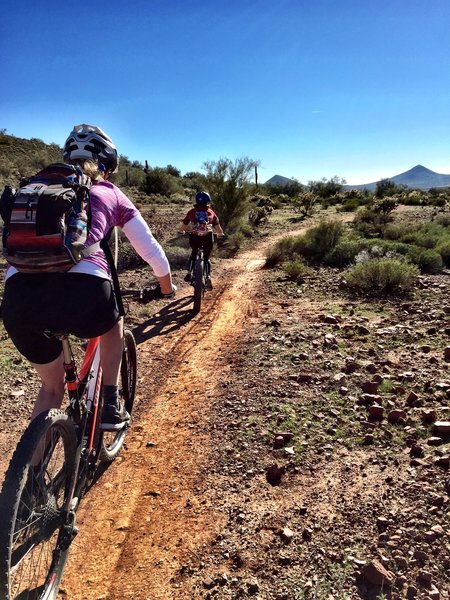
34	498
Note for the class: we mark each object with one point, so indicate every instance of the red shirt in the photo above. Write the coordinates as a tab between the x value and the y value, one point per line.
202	220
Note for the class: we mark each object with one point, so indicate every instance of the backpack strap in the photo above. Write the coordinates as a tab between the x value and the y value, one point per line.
91	249
115	277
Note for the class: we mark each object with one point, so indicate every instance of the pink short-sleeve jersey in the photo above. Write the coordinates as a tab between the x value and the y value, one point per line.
109	208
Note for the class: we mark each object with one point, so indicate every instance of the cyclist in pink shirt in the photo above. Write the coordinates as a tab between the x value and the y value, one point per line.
81	301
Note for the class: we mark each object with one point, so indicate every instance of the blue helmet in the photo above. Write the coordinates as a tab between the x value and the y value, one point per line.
202	198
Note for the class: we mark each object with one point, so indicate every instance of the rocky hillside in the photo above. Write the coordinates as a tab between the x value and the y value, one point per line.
20	157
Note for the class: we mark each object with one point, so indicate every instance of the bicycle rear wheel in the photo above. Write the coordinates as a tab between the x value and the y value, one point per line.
35	534
112	442
198	283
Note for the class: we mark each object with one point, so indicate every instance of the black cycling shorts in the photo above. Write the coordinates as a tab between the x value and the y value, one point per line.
75	303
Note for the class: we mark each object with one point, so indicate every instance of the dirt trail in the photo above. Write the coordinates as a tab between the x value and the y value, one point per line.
146	514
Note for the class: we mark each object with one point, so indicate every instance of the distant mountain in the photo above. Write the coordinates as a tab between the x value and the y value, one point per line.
279	180
419	178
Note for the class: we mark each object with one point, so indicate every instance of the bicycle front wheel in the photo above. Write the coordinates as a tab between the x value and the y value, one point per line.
112	442
35	534
198	284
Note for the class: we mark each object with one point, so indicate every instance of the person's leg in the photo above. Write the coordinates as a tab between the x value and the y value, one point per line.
207	249
114	414
51	393
193	242
111	344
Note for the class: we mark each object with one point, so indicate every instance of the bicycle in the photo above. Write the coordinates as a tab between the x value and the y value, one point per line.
54	464
201	276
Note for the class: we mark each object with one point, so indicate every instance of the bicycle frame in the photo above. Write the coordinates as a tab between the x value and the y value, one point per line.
87	383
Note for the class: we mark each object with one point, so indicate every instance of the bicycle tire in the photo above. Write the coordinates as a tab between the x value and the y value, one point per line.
198	284
34	541
112	442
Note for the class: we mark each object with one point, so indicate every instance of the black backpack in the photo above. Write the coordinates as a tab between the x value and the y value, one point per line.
47	220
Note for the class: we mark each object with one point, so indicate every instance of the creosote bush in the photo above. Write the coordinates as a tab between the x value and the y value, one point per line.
382	276
296	269
314	245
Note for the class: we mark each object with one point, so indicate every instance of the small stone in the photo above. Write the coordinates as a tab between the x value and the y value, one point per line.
382	523
368	399
278	442
417	451
370	387
401	563
208	583
412	399
274	473
376	412
438	530
429	416
447	354
376	574
425	576
429	536
286	534
396	416
442	427
253	587
442	461
421	556
435	441
411	592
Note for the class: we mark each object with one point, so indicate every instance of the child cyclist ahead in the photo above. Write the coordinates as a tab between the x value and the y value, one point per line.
201	222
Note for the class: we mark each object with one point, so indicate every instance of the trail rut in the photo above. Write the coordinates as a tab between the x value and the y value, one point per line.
146	513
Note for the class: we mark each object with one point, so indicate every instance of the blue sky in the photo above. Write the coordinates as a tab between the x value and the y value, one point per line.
310	88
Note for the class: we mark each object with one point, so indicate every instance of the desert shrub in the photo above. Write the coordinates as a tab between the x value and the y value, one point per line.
326	188
350	205
128	258
296	269
371	223
321	240
177	256
413	198
430	261
344	253
258	216
228	182
381	276
444	250
387	187
234	241
443	220
159	181
419	238
314	245
282	251
395	231
305	203
440	201
428	235
385	205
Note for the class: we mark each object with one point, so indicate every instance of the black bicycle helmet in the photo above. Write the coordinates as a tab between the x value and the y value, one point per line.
202	198
87	142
